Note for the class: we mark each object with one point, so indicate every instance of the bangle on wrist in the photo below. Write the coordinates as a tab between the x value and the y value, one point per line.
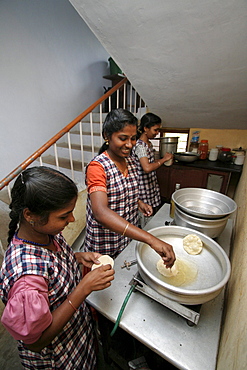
125	229
75	309
159	163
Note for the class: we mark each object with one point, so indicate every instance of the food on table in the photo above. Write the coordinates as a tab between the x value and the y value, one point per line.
167	272
192	244
183	272
104	260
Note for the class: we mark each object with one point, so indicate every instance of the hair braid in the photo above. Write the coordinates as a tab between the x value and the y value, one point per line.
12	225
16	207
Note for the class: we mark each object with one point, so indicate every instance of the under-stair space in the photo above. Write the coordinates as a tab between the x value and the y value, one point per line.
70	151
80	145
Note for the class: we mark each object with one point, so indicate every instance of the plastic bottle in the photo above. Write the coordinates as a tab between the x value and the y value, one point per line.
203	149
213	154
195	137
194	142
172	207
238	156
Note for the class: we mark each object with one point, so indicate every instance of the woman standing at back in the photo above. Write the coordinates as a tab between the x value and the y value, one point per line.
143	153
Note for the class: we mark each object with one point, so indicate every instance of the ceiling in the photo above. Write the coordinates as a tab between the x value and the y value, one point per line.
186	58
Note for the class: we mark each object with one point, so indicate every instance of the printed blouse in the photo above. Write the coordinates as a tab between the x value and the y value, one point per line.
149	191
73	347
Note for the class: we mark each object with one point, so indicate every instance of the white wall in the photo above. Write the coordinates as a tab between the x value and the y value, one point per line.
186	58
51	68
233	344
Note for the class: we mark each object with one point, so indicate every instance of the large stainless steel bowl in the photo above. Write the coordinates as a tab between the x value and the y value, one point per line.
204	203
212	264
186	156
210	227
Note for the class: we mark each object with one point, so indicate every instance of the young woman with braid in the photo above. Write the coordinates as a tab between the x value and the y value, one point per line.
40	280
113	193
143	152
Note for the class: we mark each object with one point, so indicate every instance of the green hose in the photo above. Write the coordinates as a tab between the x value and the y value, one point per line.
122	309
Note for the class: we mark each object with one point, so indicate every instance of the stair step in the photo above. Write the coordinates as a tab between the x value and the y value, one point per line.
64	153
4	224
4	196
86	148
79	176
85	131
63	162
86	139
95	117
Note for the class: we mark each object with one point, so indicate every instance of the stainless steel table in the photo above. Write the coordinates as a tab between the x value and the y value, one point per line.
157	327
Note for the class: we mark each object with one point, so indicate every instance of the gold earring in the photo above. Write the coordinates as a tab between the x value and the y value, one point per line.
107	142
31	223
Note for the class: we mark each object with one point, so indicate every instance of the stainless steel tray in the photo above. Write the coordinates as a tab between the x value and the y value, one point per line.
212	265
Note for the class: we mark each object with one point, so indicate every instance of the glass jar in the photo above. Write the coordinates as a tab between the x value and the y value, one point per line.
203	149
194	147
225	155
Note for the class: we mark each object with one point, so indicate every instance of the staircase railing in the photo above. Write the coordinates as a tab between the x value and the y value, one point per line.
125	96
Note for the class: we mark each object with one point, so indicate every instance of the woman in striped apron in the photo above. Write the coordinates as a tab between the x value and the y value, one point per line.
41	282
113	193
143	153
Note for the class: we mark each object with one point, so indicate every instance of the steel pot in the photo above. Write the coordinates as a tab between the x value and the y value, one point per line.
168	145
212	264
210	227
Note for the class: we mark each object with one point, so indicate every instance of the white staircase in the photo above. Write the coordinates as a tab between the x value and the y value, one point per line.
69	151
79	146
68	147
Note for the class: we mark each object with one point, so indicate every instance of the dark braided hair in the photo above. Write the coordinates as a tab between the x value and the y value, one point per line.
41	190
115	121
148	120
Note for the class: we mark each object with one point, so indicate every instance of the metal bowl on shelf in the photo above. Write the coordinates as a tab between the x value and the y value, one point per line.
203	203
186	156
210	227
212	267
